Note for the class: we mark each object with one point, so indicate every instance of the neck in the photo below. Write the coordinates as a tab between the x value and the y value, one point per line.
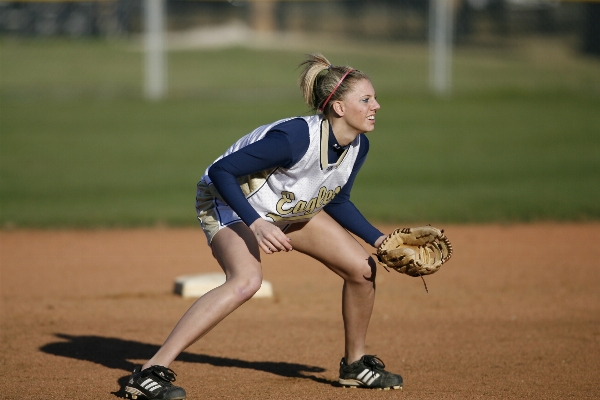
343	133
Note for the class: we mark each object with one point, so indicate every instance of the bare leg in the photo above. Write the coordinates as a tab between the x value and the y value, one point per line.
325	240
236	250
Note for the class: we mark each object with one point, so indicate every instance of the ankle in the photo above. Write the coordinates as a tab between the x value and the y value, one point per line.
147	365
352	359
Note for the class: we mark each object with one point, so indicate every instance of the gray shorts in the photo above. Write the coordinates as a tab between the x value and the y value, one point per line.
206	208
214	214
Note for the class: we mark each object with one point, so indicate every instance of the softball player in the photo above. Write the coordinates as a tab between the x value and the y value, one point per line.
285	186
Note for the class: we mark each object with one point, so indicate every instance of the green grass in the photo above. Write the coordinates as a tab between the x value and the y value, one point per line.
518	140
518	158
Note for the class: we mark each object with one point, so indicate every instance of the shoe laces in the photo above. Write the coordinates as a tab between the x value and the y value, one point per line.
164	373
373	362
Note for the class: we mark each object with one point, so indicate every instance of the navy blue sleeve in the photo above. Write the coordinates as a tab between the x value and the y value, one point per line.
345	212
281	147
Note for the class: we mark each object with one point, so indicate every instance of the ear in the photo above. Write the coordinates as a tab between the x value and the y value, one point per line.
338	107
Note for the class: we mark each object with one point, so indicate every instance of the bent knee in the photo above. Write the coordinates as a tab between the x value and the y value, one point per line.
245	287
363	272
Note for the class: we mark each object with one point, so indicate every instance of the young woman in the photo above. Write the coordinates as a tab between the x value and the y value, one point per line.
285	186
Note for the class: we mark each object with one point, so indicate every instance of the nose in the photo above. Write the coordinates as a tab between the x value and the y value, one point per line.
376	105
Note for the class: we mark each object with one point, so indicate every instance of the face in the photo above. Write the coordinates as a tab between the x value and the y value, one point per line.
360	106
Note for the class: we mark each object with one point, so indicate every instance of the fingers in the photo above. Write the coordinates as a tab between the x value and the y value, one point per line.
275	241
270	238
274	246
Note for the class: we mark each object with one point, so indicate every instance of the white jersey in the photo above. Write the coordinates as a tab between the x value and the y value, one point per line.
296	194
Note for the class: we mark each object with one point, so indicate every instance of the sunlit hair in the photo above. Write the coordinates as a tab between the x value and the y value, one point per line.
319	79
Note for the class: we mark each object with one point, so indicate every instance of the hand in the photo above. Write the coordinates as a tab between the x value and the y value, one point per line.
269	237
379	241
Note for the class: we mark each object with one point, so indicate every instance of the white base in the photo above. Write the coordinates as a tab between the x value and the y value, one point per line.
197	285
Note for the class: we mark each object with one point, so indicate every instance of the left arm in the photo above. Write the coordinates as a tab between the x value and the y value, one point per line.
345	212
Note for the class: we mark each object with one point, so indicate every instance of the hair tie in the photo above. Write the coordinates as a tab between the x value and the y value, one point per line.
329	68
322	108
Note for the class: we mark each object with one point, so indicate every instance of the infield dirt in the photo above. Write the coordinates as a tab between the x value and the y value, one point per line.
515	314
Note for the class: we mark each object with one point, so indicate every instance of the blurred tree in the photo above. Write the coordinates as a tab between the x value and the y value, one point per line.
591	28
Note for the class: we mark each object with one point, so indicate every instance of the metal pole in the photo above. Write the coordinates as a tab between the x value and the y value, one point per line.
155	83
440	45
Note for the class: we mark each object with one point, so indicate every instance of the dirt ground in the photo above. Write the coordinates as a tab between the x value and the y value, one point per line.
514	314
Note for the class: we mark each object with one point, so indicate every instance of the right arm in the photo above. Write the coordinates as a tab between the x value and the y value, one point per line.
282	147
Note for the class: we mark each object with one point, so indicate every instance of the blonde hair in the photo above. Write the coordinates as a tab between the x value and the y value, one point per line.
322	83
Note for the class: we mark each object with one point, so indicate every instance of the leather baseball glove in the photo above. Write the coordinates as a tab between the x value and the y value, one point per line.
415	251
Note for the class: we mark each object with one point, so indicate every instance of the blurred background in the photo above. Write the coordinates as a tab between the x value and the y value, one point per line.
111	110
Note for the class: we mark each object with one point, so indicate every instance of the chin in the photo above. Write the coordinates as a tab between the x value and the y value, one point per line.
370	128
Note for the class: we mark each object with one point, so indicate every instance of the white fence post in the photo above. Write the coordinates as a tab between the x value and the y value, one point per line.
441	21
155	67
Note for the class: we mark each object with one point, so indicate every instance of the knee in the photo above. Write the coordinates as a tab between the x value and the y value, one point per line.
364	272
245	287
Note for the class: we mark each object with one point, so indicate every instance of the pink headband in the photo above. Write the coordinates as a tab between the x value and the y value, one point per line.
322	108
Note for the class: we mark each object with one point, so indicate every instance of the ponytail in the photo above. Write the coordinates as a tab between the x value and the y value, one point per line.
322	83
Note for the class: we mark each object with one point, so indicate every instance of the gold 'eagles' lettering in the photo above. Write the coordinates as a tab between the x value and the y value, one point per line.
304	209
286	197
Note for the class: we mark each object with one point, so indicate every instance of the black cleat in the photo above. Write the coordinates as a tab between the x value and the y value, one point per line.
153	383
368	372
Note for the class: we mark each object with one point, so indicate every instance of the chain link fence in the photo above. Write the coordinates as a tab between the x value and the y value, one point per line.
488	22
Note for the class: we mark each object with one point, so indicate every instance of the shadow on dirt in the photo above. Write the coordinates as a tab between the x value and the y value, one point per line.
116	353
